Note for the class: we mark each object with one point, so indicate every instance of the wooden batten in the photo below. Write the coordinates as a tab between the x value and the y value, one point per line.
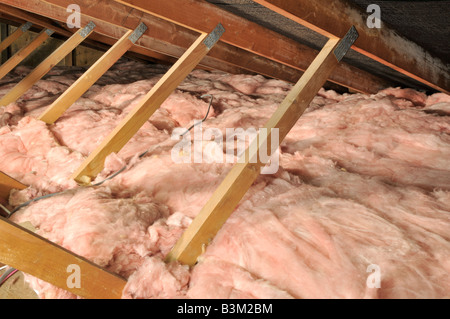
60	53
149	104
24	52
54	111
24	250
15	35
229	193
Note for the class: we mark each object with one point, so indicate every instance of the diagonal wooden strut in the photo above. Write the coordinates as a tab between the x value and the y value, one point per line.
47	65
149	104
8	183
24	52
229	193
35	255
16	34
54	111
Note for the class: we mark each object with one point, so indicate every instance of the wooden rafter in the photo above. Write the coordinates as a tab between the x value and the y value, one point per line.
229	193
43	68
35	255
33	18
384	45
148	105
77	89
172	40
157	44
24	52
246	35
95	40
283	59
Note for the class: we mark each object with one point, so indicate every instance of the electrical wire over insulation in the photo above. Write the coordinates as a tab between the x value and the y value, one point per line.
113	175
11	271
207	113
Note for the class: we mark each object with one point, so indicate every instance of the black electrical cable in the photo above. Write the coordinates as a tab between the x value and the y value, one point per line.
204	119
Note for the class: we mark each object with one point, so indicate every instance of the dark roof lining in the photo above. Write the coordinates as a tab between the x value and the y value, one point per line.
423	22
276	22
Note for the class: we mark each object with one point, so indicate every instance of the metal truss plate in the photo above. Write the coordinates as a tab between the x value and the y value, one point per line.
140	30
345	44
87	29
214	36
26	26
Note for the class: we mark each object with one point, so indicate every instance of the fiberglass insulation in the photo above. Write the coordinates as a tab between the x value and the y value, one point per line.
363	180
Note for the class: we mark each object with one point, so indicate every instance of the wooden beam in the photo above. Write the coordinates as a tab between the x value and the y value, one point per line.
33	18
15	35
244	34
168	38
384	45
35	255
24	52
95	40
7	184
54	111
164	42
227	196
172	40
46	65
149	104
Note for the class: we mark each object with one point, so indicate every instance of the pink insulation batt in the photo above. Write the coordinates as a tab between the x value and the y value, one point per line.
364	181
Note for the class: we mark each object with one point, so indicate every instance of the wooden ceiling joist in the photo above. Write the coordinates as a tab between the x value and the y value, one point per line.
45	66
278	57
384	45
24	250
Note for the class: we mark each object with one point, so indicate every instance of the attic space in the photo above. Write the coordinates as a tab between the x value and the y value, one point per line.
232	151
